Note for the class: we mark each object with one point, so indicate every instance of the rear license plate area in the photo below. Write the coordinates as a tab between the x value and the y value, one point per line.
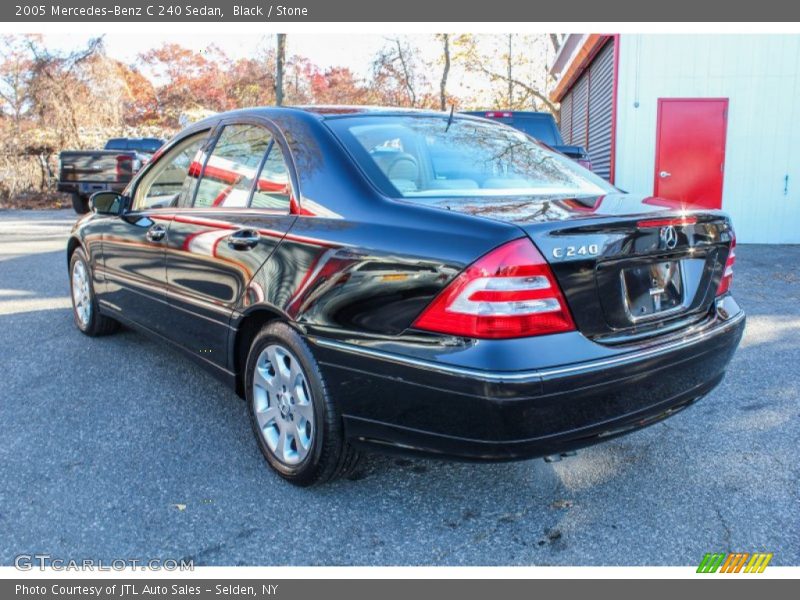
652	290
90	188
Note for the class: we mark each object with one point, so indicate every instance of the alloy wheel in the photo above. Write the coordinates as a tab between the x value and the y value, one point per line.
282	405
81	293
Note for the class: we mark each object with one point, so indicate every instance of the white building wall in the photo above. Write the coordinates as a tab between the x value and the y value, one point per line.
760	75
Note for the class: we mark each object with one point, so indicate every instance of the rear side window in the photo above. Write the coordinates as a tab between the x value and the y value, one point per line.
273	188
231	168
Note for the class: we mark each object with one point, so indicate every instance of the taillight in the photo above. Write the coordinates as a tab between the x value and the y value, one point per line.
727	274
510	292
124	165
498	115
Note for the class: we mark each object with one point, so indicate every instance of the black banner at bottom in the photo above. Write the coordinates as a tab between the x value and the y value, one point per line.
382	589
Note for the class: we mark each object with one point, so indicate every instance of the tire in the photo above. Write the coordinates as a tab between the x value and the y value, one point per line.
80	204
85	311
296	422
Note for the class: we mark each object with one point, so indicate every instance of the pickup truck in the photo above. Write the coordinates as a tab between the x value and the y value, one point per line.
540	126
84	172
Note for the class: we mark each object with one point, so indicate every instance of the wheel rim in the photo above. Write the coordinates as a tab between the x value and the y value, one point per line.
81	293
282	404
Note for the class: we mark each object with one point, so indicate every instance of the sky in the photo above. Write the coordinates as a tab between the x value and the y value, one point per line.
354	51
325	51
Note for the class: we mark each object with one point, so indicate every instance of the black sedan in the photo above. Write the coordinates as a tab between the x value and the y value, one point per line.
410	281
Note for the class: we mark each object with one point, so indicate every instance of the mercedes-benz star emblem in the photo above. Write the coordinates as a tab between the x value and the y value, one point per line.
668	237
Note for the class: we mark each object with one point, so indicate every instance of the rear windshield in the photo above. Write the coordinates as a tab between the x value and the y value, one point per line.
148	146
117	144
541	129
418	157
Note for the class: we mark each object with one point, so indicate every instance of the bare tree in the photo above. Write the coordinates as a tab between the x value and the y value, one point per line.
513	71
408	77
536	93
445	39
15	76
395	74
56	100
280	63
58	88
509	70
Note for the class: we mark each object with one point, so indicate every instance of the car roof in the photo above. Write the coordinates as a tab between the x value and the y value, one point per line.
346	110
321	112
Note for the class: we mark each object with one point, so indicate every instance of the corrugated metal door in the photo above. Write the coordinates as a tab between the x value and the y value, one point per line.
601	103
586	110
566	118
580	108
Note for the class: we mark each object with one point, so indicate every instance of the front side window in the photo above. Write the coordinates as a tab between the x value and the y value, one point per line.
166	181
232	167
427	157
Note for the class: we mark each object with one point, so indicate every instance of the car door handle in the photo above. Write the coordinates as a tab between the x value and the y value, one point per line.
156	233
665	174
243	239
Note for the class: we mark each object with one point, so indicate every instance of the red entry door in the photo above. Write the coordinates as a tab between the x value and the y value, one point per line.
690	150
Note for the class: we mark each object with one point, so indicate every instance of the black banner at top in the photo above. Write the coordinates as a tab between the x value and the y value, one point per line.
451	11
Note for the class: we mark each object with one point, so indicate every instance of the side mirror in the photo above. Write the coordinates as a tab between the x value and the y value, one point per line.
108	203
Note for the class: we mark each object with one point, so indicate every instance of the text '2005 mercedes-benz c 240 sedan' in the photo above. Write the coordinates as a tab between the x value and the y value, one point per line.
410	281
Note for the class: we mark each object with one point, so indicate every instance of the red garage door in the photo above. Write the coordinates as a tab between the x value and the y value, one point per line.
690	150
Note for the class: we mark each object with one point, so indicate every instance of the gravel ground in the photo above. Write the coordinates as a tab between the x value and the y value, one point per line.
121	448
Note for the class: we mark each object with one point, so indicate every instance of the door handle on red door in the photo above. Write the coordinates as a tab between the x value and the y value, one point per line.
156	233
665	174
243	239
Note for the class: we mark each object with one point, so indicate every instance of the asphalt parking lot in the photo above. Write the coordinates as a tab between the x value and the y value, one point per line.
119	447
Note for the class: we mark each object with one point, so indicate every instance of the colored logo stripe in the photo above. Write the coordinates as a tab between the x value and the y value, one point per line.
710	563
733	563
758	563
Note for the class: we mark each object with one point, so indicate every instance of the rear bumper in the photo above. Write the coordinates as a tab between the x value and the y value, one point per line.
87	188
403	402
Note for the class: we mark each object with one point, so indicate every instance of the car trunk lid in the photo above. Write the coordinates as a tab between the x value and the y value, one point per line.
629	266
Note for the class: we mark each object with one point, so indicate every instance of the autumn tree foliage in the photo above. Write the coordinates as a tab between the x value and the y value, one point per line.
338	85
399	77
188	80
51	101
15	78
55	100
514	67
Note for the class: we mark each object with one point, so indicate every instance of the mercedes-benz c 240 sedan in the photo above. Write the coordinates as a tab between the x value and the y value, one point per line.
410	281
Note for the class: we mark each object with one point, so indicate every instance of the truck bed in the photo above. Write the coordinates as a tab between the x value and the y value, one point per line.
84	172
